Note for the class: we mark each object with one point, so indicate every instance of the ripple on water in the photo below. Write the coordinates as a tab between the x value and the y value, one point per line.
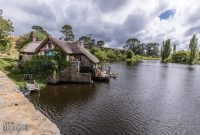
148	98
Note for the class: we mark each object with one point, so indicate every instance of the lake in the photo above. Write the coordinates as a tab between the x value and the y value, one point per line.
148	98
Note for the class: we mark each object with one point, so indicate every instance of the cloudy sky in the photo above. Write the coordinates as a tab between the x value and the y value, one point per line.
113	21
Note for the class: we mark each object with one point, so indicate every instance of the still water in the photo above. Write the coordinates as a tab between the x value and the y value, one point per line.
148	98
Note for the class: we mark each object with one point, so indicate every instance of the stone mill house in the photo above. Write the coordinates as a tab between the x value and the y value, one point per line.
79	57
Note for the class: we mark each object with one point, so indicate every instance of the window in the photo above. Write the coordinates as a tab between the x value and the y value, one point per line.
50	53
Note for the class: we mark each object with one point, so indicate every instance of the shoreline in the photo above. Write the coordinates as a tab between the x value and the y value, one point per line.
18	115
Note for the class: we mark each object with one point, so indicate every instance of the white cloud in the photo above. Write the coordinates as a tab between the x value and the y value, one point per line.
113	21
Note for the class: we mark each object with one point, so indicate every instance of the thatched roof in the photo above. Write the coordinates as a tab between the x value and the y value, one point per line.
70	47
31	47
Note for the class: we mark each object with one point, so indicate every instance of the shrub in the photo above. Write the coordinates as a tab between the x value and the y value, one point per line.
129	54
41	68
181	57
111	56
44	66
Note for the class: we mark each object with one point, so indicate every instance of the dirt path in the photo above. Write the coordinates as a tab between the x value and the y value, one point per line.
18	116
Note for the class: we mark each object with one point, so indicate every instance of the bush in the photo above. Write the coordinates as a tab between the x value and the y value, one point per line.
129	54
100	54
108	54
181	57
44	66
5	45
111	56
41	68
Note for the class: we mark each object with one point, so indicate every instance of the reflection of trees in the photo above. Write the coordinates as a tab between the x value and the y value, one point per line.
59	96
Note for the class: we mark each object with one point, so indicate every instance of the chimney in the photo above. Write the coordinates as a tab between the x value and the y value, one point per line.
33	37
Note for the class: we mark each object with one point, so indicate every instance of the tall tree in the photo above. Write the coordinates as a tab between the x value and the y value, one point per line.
39	29
135	46
100	43
152	49
193	48
68	32
174	48
165	50
86	40
5	29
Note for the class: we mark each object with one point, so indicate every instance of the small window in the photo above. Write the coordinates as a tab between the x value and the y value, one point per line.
50	53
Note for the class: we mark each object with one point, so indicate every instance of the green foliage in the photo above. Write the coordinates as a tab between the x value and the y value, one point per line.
101	55
129	54
87	41
100	43
181	57
40	35
193	48
39	29
152	49
8	66
165	50
134	45
112	55
133	60
44	66
68	32
5	29
25	39
108	54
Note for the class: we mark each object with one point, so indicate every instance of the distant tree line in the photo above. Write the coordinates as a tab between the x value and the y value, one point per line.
138	48
191	56
167	51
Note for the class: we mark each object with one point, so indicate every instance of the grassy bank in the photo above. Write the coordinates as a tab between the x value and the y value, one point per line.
134	59
8	66
148	57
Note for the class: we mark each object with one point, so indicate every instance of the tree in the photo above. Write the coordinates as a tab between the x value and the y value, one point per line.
101	55
165	50
174	48
100	43
129	54
152	49
5	29
67	31
135	46
181	57
86	40
39	29
193	48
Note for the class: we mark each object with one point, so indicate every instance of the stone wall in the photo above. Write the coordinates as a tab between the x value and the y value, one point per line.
71	74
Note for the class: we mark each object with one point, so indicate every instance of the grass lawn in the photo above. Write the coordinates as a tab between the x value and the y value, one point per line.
8	66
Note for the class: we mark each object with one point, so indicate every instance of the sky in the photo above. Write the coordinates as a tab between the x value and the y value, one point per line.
113	21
